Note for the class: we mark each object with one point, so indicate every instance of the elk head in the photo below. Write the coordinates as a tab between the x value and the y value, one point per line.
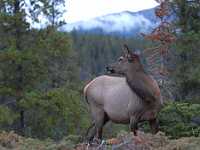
129	62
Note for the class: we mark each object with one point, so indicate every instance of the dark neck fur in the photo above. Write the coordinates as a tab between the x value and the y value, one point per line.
135	81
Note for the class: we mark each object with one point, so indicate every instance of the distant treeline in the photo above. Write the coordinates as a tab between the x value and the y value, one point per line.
96	51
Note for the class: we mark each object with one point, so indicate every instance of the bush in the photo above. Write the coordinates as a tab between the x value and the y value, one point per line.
175	119
56	113
7	116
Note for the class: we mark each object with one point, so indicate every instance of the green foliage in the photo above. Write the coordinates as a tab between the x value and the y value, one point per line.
55	49
7	116
53	43
38	71
54	113
48	82
187	72
188	14
53	11
31	66
175	119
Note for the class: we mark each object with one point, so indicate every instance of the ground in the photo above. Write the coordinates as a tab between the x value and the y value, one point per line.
123	141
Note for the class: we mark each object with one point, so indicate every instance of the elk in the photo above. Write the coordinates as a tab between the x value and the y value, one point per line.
130	97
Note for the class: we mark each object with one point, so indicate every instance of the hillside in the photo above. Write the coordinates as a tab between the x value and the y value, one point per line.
124	23
124	141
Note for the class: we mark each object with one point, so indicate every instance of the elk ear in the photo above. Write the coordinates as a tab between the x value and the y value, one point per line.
127	52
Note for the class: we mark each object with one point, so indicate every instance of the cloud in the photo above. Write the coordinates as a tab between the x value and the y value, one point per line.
120	22
78	10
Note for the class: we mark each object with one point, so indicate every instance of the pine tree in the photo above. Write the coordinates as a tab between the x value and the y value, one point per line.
13	29
187	72
53	11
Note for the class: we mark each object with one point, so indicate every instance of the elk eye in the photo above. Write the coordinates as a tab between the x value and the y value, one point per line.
120	59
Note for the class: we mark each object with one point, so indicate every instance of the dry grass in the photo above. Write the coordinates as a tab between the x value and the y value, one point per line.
123	141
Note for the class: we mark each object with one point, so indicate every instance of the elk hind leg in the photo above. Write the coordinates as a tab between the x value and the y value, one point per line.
100	122
91	131
100	118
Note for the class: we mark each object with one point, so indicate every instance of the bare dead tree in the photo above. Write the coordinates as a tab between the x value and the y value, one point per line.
163	37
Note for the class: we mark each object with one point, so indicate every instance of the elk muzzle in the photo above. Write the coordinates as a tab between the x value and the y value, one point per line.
109	69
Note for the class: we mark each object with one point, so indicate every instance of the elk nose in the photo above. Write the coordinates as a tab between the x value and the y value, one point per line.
107	68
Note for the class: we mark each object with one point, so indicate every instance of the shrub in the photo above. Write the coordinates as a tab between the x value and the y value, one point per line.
175	119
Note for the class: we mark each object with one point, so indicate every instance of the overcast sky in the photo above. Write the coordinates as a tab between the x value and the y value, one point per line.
78	10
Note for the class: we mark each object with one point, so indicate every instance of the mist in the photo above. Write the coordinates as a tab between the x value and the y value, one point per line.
119	22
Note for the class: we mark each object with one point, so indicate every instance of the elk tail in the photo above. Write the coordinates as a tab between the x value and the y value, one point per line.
85	93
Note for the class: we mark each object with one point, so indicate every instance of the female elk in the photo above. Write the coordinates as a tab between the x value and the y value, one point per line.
131	98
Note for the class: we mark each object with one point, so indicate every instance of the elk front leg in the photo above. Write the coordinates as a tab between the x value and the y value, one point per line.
134	125
154	125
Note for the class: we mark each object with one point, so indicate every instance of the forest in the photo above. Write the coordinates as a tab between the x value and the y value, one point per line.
43	72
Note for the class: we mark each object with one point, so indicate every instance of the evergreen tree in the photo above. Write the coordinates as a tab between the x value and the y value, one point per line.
14	56
187	72
53	10
39	76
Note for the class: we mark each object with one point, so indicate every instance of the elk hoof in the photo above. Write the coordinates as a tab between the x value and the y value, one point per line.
138	140
96	141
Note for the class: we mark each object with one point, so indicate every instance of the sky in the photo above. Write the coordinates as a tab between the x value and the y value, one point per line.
80	10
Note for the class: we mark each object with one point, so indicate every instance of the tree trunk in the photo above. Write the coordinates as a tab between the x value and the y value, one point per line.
19	71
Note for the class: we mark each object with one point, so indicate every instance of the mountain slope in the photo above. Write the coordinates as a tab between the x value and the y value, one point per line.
123	23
